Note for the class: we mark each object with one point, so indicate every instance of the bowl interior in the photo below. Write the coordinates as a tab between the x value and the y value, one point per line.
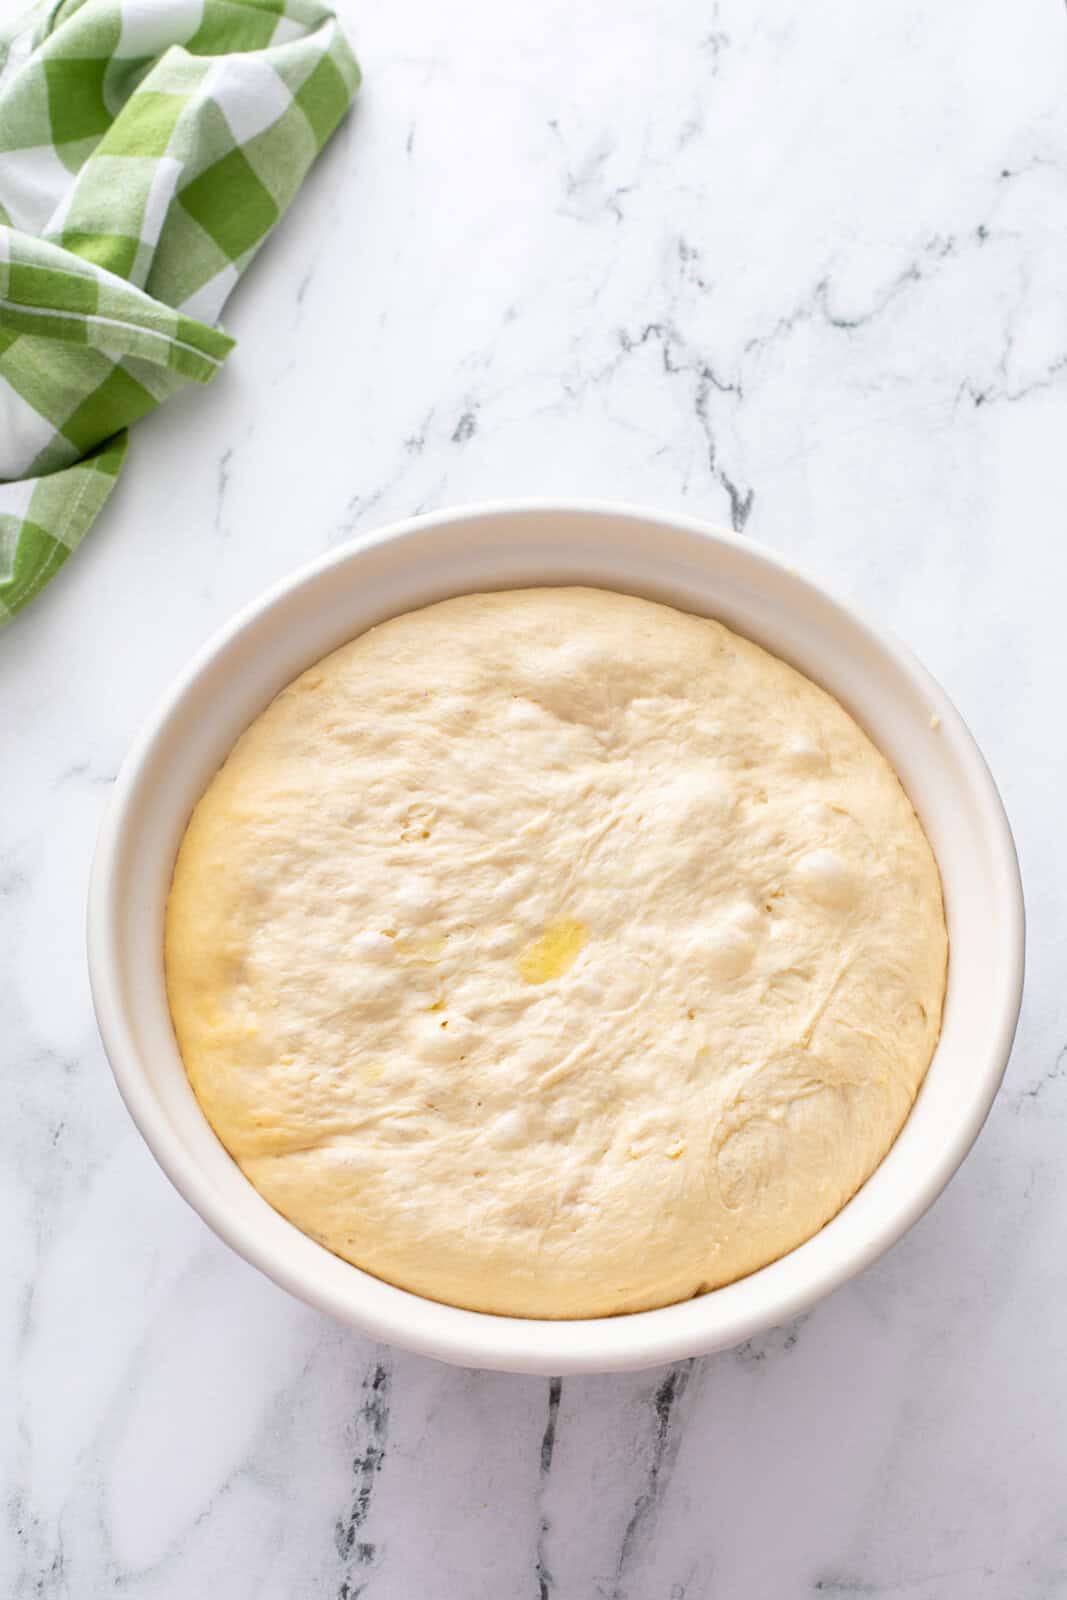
675	561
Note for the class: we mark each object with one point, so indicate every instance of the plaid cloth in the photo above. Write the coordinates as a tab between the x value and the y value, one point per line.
147	148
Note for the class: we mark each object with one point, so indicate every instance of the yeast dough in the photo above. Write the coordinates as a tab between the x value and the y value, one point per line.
555	953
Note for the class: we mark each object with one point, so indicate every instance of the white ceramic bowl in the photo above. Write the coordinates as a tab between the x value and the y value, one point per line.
508	546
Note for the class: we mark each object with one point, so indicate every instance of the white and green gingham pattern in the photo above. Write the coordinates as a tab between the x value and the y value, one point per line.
147	147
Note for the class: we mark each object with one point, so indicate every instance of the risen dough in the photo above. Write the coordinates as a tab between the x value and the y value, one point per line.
555	953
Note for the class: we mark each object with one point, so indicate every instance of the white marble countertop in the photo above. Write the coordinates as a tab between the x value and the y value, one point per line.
798	267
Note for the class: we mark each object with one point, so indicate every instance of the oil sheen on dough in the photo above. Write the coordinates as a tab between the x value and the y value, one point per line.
555	953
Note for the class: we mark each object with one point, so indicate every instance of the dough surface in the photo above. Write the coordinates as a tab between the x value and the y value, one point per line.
555	953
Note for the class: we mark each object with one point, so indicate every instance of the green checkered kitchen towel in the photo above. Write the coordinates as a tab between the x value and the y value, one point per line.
147	147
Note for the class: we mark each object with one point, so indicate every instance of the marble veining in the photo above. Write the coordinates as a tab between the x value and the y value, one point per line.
359	1557
796	269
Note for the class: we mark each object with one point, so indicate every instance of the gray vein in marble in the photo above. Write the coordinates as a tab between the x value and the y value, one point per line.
222	481
816	305
933	253
935	250
778	1341
714	44
14	880
359	1556
846	1584
82	769
843	1585
990	394
542	1572
415	443
665	1442
741	500
689	266
42	1573
466	427
1046	1085
586	194
681	359
358	506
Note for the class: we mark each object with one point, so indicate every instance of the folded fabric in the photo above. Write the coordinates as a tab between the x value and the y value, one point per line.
147	148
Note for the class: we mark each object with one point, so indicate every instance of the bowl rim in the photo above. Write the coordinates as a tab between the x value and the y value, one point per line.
480	1338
